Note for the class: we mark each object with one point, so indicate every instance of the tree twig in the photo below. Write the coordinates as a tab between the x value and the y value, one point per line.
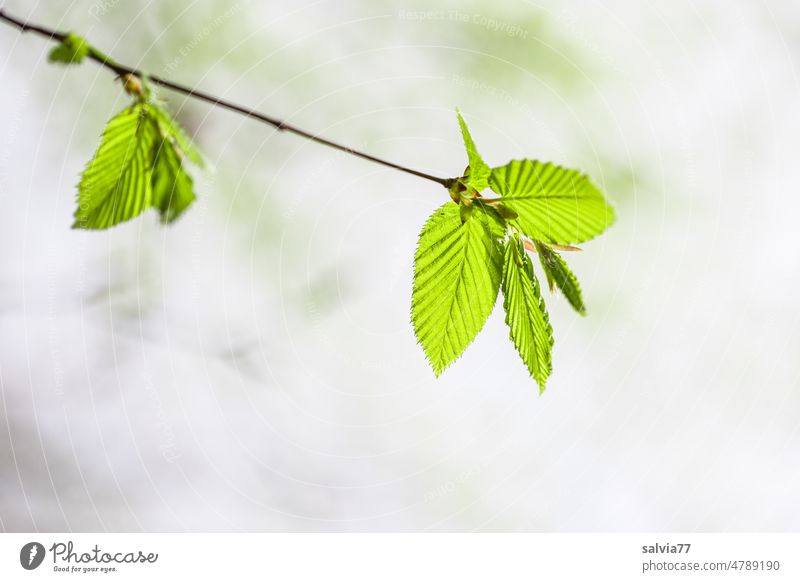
278	124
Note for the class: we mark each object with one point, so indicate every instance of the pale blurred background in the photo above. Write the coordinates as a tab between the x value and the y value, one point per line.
253	367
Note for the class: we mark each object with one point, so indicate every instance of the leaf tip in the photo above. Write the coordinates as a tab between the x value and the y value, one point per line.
80	223
438	367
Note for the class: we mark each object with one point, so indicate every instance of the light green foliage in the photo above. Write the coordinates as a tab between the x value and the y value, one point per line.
457	271
468	249
463	245
554	204
116	185
72	50
172	185
558	275
526	314
478	174
139	165
169	127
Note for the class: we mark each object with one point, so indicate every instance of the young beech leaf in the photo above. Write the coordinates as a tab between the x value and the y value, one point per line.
526	315
559	275
73	49
169	127
172	185
457	270
116	185
173	190
553	204
479	171
139	165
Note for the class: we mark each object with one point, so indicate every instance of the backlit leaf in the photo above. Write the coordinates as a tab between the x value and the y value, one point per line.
559	275
72	50
479	171
116	185
169	127
140	164
553	204
457	270
172	185
526	314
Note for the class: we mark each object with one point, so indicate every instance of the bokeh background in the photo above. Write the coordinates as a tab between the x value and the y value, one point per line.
253	367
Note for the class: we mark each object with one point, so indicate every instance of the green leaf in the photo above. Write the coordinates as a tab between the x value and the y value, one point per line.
170	127
504	211
559	275
73	49
478	173
139	165
173	190
172	186
457	270
116	185
553	204
526	314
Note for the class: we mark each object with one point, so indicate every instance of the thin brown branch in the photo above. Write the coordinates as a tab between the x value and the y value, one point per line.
278	124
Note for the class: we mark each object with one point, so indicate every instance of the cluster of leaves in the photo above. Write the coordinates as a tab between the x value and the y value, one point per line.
141	161
139	165
474	246
469	249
